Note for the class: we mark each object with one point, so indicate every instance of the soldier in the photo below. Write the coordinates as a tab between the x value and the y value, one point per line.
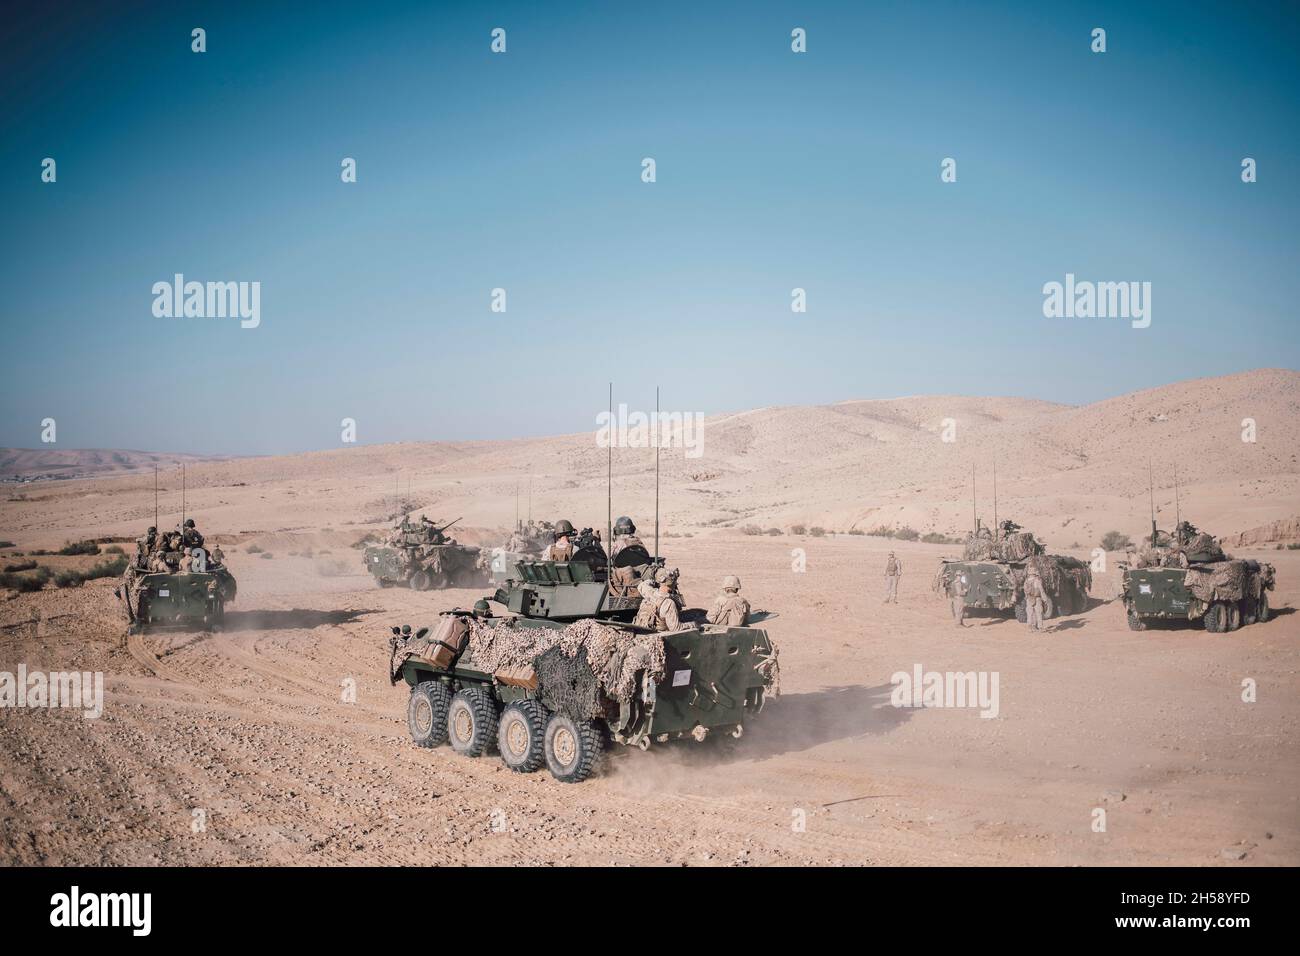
893	571
217	556
144	546
482	610
624	535
1035	600
562	548
187	562
190	536
666	602
158	563
958	588
729	608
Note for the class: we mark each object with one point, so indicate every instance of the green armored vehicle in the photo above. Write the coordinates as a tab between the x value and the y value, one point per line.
1186	577
422	557
583	586
995	567
542	692
193	592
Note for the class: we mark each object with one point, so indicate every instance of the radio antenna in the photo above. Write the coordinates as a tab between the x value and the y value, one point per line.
182	494
973	514
155	495
1178	513
1151	490
658	440
995	498
609	478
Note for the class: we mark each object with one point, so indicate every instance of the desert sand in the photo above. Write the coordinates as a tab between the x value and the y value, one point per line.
248	725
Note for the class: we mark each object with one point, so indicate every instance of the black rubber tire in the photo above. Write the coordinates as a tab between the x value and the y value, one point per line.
580	748
526	717
474	712
1215	618
1234	616
1135	623
426	713
1261	609
420	581
1022	612
1049	608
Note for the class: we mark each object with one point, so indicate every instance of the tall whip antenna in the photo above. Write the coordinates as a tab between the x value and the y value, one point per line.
182	494
1178	512
973	515
155	494
995	498
658	440
609	477
1151	490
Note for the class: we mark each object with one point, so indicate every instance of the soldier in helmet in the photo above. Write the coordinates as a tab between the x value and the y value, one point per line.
482	610
893	571
958	588
561	549
648	589
624	535
190	536
665	602
729	608
145	546
1035	599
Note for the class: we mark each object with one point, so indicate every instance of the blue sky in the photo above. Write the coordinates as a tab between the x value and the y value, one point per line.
775	170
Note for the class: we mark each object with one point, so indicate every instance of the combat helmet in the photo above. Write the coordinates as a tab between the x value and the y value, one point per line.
731	583
563	527
624	525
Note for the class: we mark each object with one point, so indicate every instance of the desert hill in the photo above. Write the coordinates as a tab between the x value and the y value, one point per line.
1069	473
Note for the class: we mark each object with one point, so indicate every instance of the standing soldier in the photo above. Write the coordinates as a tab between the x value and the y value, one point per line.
1035	600
647	588
561	549
729	609
893	571
958	588
665	601
190	536
145	546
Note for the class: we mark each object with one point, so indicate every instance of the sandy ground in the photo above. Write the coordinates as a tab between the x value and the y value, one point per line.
248	727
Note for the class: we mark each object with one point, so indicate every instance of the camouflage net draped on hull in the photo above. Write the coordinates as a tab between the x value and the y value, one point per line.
1013	547
578	668
1228	581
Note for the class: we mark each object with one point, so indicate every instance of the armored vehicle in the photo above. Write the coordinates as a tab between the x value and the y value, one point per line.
422	557
177	598
996	565
541	692
1187	577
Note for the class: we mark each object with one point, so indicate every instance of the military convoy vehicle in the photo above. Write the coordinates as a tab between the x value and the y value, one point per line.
996	565
1186	577
561	695
584	586
193	598
422	557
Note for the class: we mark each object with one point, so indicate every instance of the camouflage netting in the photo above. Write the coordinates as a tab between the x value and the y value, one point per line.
577	668
1016	546
1227	581
1166	552
1054	570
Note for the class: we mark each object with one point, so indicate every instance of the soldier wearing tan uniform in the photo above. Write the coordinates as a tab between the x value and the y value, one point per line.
665	601
1035	600
893	571
624	535
958	588
729	608
561	549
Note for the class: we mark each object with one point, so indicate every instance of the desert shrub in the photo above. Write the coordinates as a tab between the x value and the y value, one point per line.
934	537
40	552
324	552
880	531
68	578
1115	541
1293	547
26	582
856	531
817	532
114	549
772	531
107	569
7	544
798	529
254	549
79	547
266	555
29	565
751	529
907	534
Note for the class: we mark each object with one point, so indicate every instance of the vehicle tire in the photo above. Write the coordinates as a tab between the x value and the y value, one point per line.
420	581
1216	618
383	583
1135	623
1022	612
572	748
520	736
1049	608
1261	609
1234	615
426	713
472	722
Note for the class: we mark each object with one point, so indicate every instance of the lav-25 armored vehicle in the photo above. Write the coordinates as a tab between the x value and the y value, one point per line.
423	557
546	692
1187	577
196	597
995	566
